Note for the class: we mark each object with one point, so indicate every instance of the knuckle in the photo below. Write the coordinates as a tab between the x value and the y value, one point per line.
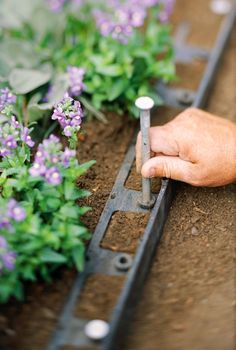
166	170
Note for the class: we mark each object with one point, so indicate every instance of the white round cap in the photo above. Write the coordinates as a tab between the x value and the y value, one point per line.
96	329
144	103
220	7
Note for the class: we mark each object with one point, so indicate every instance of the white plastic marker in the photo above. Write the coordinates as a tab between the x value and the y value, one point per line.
145	105
96	329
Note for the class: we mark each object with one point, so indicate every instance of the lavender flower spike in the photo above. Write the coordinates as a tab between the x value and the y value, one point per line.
69	114
6	98
76	76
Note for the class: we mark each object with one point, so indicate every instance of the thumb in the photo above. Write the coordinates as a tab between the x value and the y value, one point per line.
170	167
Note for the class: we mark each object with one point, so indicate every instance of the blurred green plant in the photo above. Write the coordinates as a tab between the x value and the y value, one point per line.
37	45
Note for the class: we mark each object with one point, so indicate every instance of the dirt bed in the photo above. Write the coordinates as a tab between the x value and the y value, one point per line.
190	295
105	290
130	227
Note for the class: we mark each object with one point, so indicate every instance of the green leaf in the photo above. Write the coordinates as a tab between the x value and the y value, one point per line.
52	204
84	167
117	89
15	53
70	211
69	190
114	70
50	256
84	210
13	16
78	257
78	230
36	111
23	81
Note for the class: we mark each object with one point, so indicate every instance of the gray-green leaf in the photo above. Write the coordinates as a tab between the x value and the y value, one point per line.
23	81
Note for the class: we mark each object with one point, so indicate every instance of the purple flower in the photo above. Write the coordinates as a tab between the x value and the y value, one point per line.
10	142
15	212
56	5
26	138
50	160
6	98
69	114
37	169
15	123
167	7
66	156
7	257
12	135
53	176
76	76
5	223
3	243
9	260
4	152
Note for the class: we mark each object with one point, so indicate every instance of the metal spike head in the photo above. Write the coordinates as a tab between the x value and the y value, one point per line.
144	103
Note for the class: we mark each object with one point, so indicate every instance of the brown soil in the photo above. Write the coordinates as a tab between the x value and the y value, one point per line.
134	181
107	144
190	295
104	290
204	24
124	231
184	71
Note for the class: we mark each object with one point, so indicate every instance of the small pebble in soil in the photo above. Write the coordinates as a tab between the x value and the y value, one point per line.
194	231
48	314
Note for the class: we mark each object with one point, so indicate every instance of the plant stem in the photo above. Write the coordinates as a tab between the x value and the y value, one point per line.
25	112
100	116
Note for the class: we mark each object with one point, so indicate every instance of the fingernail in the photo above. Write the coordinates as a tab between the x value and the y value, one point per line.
151	172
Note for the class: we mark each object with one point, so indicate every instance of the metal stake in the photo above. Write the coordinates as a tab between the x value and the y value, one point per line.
145	104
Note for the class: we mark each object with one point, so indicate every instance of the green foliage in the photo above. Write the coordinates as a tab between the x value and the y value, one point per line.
116	74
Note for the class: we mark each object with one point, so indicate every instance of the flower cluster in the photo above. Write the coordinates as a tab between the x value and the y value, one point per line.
6	98
11	212
69	114
166	10
121	17
7	257
56	5
76	76
13	134
50	159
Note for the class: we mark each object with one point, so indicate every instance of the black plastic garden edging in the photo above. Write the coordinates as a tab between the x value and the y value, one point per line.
70	329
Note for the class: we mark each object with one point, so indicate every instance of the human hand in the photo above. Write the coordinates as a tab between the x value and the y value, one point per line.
195	147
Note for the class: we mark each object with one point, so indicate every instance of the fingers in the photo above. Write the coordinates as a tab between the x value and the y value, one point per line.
170	167
162	141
